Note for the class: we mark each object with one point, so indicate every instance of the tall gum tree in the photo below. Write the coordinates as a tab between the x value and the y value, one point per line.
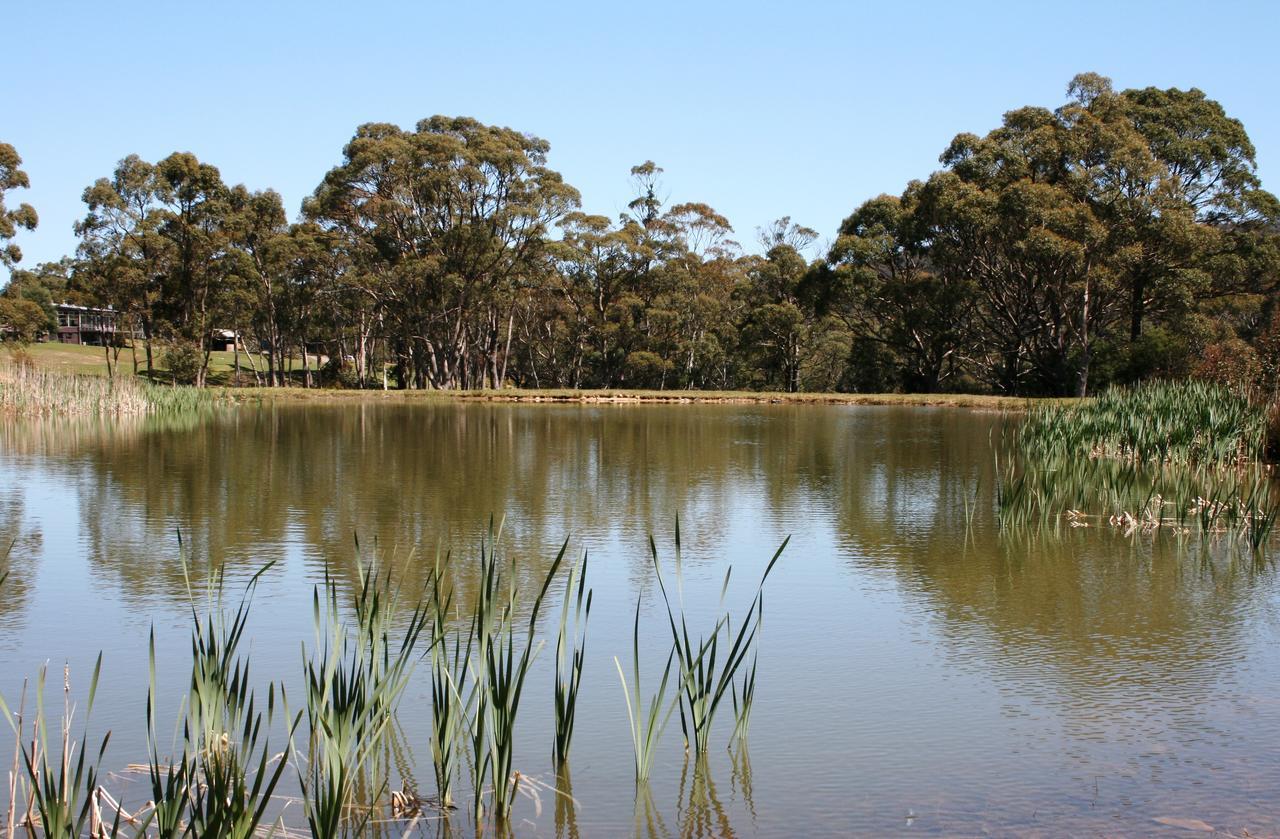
449	222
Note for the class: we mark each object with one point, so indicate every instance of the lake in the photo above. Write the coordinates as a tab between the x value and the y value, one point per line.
920	671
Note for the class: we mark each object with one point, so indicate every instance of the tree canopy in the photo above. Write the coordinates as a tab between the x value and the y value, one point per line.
1118	236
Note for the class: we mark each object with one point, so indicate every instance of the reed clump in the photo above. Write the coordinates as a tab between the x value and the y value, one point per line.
223	776
1184	457
1155	424
30	391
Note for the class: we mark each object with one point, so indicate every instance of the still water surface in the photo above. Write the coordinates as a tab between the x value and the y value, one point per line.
917	675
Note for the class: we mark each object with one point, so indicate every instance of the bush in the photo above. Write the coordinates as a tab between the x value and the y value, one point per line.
338	372
184	362
21	320
1231	362
646	370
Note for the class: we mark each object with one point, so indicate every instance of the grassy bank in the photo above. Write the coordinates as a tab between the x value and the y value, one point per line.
91	361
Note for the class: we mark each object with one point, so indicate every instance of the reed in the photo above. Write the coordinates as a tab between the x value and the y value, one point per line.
29	391
1154	423
221	777
504	674
647	721
571	652
448	681
62	795
353	680
1183	458
704	677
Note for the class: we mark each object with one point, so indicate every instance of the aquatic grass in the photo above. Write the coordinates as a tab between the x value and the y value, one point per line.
1183	457
1153	423
236	781
448	680
224	777
30	391
703	676
647	722
503	684
570	656
353	680
63	794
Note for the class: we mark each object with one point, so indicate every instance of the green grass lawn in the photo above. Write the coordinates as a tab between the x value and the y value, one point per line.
74	358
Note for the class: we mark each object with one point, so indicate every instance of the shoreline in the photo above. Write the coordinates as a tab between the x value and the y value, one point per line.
620	396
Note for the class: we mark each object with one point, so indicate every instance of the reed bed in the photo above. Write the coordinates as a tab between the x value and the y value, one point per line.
1155	424
1184	458
223	777
29	391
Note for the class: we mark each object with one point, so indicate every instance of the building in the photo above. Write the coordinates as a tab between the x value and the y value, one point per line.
86	325
223	340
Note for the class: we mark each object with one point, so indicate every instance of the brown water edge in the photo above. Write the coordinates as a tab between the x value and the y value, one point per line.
617	396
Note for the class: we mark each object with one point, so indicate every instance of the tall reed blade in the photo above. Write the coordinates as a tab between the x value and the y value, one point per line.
647	721
570	655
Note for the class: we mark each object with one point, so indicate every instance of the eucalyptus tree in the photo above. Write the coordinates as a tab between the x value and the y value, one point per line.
23	216
259	268
193	222
156	238
883	285
449	223
782	331
120	247
1201	225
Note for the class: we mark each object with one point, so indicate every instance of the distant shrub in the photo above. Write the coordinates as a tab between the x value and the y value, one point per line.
184	361
646	369
21	320
340	373
1231	362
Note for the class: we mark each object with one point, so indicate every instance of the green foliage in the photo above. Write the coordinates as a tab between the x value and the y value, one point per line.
1185	457
21	321
23	216
1155	423
1111	239
1057	236
184	362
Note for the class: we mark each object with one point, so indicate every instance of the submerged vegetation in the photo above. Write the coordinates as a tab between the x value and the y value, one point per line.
225	777
1187	457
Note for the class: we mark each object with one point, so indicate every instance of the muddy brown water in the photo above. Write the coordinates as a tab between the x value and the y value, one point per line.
918	673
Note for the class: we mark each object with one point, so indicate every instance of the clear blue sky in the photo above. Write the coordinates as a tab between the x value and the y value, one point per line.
759	109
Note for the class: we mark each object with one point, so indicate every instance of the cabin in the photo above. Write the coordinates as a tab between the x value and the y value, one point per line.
86	325
222	340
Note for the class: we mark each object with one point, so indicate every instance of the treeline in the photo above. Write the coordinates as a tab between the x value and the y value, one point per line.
1121	236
